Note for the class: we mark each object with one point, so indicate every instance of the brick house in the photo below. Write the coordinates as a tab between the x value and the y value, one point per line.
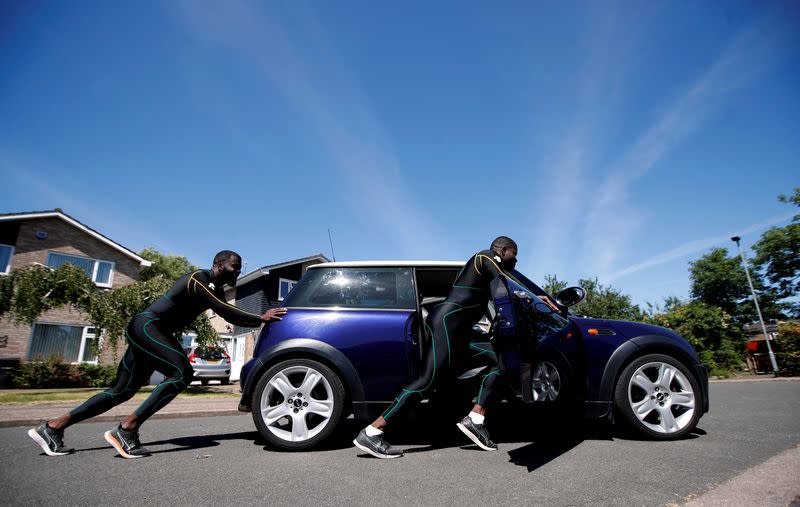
52	238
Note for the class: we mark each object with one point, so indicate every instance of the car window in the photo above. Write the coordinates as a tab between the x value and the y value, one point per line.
354	288
537	315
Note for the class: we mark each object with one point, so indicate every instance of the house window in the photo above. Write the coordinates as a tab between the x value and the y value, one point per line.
284	286
73	344
6	251
100	272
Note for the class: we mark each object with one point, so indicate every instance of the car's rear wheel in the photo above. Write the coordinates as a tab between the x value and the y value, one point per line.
297	403
658	397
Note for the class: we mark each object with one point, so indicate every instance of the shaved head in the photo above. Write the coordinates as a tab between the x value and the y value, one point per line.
225	255
501	242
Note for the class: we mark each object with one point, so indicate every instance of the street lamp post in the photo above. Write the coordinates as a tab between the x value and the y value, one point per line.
736	239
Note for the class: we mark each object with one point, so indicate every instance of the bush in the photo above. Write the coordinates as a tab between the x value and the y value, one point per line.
51	372
97	375
788	342
788	364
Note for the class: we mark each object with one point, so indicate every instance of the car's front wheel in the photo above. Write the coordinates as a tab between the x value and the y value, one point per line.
297	403
658	397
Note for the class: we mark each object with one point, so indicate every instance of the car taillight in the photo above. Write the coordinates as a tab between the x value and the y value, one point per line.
227	357
193	358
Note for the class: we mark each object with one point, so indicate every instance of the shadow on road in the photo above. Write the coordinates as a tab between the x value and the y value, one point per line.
203	441
551	434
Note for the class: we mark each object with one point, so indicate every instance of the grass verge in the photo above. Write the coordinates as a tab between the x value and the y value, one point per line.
55	395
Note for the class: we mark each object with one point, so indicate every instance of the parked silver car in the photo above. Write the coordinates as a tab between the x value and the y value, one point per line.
210	364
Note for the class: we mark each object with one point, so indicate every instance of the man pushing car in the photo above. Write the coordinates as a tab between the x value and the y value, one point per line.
153	346
449	328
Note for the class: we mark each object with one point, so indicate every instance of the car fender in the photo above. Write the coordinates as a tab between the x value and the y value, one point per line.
308	348
641	345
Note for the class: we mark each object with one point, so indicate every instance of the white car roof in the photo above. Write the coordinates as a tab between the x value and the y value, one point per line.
389	264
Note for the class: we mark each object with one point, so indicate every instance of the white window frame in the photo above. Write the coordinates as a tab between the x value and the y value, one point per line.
7	269
85	334
94	268
291	283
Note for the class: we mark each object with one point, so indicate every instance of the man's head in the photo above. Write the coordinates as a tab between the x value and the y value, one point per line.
227	267
506	249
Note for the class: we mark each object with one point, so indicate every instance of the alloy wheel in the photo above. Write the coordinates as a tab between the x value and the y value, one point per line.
297	403
661	397
545	382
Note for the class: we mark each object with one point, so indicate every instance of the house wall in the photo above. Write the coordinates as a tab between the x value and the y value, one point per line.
28	250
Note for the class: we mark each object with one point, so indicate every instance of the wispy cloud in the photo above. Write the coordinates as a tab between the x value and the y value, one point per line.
39	182
568	167
348	130
693	247
613	218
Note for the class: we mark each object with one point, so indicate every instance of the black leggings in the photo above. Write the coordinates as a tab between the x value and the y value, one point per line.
149	349
449	329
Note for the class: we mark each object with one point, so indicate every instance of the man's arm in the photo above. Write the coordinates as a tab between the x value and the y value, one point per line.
214	299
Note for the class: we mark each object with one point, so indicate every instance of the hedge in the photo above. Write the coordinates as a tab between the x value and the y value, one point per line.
55	373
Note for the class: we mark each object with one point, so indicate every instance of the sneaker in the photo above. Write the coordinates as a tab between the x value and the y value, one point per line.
126	443
51	441
477	433
376	446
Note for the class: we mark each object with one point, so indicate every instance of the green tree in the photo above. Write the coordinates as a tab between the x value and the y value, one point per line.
778	255
170	267
713	333
602	301
720	280
552	285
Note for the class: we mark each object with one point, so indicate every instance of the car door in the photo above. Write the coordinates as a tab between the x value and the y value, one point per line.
526	328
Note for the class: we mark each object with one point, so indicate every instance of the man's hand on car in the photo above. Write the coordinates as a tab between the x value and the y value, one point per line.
550	303
273	314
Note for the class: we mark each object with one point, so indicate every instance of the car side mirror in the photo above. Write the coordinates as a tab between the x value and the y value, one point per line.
571	296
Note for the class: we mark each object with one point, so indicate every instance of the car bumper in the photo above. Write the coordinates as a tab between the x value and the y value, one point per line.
212	371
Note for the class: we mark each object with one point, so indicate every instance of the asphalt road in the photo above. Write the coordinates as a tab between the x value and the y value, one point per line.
213	460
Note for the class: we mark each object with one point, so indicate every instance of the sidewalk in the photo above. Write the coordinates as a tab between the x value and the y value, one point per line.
25	414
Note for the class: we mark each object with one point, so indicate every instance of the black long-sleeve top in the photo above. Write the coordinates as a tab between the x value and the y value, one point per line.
479	280
193	294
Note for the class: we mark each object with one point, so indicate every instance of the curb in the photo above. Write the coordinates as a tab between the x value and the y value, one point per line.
116	418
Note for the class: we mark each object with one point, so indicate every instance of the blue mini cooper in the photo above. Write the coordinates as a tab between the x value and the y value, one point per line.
354	336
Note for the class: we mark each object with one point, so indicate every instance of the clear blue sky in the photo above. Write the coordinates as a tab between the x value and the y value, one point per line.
611	139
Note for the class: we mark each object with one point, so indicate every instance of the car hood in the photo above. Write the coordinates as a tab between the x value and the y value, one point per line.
624	328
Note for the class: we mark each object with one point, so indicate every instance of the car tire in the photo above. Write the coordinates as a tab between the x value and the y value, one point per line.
225	381
204	381
658	397
549	381
297	403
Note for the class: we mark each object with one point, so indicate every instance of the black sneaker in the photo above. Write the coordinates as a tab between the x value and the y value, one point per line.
376	446
51	441
126	443
477	433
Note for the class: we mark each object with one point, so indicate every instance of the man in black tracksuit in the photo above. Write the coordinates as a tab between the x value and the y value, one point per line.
449	328
153	346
